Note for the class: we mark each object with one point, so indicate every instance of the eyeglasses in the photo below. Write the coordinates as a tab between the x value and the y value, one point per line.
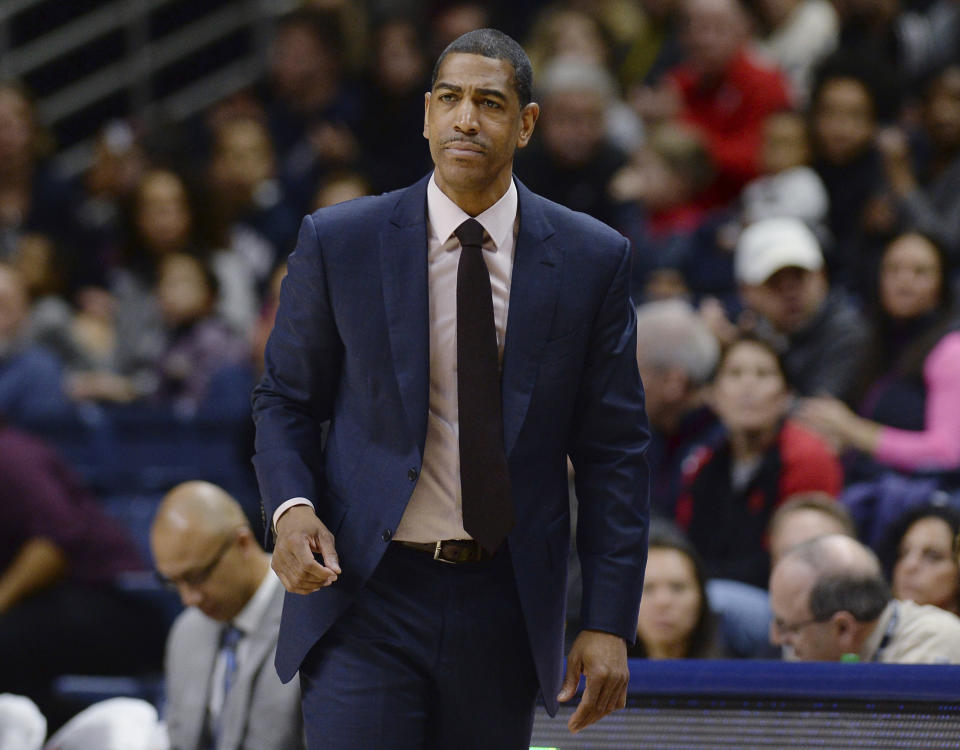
785	628
197	577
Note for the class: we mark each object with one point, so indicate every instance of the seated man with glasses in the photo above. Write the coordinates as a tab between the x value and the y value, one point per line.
830	602
222	688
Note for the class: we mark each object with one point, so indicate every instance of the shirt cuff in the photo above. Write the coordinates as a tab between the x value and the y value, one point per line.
284	507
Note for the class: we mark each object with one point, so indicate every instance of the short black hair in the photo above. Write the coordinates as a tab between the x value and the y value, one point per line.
861	594
881	81
498	46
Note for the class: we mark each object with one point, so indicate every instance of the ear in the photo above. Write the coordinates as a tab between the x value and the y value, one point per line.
426	112
846	629
528	119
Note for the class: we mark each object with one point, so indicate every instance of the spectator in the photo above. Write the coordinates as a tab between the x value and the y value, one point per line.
312	112
928	197
222	688
797	34
831	602
805	516
658	192
33	197
919	556
675	621
397	76
744	610
788	186
61	611
722	89
119	163
31	377
246	192
656	45
851	98
676	354
199	342
908	416
731	489
571	160
780	271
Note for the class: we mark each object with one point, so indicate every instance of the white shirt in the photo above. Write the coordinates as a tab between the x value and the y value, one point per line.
434	511
248	621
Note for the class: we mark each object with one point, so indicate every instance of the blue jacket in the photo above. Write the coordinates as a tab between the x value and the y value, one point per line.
350	345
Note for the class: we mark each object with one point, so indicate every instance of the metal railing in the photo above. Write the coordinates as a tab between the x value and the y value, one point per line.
132	73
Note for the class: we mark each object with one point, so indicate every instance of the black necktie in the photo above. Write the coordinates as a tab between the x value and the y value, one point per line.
484	477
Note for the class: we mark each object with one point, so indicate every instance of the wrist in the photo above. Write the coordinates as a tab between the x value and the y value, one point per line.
291	514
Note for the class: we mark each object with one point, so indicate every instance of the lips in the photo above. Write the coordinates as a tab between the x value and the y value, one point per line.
464	148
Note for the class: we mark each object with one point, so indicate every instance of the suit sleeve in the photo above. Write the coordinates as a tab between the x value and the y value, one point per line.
608	448
295	396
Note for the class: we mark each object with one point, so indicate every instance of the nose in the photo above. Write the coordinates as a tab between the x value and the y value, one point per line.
466	119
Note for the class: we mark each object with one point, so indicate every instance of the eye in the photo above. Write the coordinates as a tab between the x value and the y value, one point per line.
491	104
447	97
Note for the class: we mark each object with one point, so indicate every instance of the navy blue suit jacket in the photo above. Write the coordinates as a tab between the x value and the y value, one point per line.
350	345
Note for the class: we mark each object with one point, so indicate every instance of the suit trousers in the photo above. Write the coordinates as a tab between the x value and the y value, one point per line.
430	656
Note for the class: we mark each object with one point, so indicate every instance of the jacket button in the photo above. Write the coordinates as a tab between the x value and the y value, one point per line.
385	536
412	475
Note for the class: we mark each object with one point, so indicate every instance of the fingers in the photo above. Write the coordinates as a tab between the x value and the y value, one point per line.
571	679
323	544
300	541
603	695
298	570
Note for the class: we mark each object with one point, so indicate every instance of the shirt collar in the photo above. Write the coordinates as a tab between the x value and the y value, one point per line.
445	216
254	610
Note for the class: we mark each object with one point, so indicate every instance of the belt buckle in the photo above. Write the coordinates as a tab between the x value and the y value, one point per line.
438	558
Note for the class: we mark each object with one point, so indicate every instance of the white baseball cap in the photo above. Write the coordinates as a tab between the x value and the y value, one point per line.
768	245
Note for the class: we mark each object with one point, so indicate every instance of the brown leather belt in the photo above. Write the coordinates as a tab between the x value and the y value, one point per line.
453	551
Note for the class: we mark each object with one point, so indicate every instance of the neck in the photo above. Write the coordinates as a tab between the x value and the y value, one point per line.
666	650
475	202
747	444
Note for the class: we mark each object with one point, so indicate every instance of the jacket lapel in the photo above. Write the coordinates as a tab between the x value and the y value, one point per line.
533	293
403	260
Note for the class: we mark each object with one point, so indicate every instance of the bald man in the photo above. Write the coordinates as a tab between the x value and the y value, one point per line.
830	601
223	692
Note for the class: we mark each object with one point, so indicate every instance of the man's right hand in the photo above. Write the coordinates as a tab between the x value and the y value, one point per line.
300	534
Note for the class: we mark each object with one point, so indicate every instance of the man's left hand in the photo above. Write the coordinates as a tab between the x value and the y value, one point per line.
602	659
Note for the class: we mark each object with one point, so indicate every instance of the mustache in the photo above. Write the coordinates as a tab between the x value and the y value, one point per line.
462	139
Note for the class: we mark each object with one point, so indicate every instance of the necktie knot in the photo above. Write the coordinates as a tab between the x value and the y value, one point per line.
470	233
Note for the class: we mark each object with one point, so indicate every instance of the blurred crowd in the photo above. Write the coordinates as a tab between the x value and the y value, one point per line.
787	171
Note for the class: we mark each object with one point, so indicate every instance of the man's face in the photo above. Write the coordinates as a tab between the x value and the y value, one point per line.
844	123
714	32
474	122
789	298
792	625
209	572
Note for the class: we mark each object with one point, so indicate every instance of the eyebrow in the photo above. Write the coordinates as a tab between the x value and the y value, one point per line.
459	90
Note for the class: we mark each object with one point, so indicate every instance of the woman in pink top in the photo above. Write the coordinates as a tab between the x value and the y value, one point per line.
910	412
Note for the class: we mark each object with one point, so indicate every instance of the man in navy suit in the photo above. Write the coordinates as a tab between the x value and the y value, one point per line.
425	603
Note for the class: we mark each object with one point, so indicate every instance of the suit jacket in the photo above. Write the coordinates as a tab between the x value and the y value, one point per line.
350	345
260	712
